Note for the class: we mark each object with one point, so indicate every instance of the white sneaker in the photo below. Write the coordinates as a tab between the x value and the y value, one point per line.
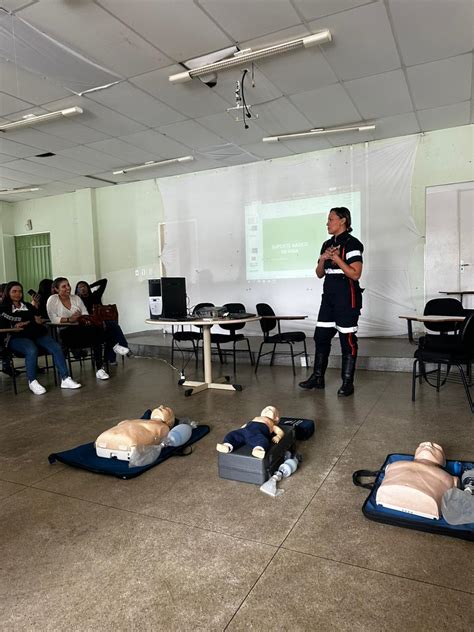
102	375
36	388
121	350
68	382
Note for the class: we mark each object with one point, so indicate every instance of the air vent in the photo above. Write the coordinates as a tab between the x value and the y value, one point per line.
47	154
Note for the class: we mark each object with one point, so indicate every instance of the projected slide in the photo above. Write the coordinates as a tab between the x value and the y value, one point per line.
283	239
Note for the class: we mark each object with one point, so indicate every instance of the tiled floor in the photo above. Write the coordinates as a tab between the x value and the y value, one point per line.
178	548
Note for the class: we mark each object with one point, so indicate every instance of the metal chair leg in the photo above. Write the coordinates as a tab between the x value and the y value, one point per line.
413	381
258	357
252	359
273	355
292	358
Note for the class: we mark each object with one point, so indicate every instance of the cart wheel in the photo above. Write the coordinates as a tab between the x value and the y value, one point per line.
188	392
237	387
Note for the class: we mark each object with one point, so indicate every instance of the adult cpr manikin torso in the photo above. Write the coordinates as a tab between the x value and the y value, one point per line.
118	441
417	486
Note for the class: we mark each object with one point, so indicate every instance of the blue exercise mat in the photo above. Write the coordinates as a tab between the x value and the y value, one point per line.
85	457
372	511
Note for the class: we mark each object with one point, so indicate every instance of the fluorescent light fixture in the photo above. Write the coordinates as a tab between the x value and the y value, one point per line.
319	132
31	119
248	56
152	163
20	190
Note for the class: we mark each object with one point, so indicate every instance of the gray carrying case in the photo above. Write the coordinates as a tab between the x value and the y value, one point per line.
240	465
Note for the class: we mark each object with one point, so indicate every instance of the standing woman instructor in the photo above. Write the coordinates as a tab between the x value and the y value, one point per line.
340	264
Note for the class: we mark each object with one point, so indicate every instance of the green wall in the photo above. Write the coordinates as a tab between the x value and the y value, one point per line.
113	231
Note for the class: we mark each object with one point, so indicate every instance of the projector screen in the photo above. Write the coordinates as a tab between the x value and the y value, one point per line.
283	239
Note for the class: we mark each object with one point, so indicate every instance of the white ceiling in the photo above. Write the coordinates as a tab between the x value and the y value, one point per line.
407	64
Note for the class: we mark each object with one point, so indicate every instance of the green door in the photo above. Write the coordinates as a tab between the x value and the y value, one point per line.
33	259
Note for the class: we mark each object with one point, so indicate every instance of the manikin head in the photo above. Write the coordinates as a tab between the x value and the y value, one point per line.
272	413
165	414
431	452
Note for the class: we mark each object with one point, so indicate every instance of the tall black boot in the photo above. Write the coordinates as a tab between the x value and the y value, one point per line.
316	379
347	374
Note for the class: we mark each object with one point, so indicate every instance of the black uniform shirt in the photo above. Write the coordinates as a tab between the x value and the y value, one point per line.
350	250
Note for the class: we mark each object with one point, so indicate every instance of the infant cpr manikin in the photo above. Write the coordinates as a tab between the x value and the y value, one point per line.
121	441
417	486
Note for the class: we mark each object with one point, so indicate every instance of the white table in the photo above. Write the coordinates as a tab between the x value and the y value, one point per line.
221	383
429	319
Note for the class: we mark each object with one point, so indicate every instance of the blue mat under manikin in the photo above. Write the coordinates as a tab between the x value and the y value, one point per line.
85	457
371	510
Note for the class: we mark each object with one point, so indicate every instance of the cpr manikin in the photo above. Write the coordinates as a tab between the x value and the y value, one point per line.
132	434
417	486
259	434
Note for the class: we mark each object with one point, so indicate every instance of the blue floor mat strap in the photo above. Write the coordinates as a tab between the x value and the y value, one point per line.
372	511
85	457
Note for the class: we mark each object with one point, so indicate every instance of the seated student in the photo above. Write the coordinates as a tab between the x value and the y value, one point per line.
16	314
45	289
5	364
92	295
66	308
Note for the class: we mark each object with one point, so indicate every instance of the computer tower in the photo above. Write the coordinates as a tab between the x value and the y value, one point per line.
167	297
155	300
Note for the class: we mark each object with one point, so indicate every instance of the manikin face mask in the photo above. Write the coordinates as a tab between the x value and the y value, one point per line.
431	452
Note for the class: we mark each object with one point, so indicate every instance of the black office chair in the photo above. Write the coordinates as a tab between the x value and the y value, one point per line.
233	337
289	338
442	307
456	350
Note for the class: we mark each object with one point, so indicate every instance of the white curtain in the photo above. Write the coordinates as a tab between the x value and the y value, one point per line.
204	230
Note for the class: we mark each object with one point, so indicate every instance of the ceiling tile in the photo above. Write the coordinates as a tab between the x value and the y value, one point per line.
432	30
327	106
87	183
159	145
193	98
304	145
9	104
245	19
17	150
127	153
192	134
400	125
92	157
441	82
27	86
381	95
46	171
136	104
446	116
21	177
98	117
281	116
298	71
100	37
267	150
38	139
225	126
10	183
363	43
67	164
311	10
181	32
